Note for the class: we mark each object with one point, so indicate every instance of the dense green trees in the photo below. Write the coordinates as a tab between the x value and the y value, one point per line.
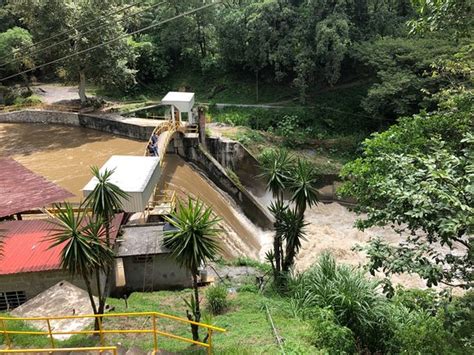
305	44
14	60
74	23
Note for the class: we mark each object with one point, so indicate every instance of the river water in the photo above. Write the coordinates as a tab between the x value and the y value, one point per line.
64	155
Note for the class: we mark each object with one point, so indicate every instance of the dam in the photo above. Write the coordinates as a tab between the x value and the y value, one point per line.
64	154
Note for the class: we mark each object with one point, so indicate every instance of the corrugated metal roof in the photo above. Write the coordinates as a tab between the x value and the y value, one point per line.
26	248
22	190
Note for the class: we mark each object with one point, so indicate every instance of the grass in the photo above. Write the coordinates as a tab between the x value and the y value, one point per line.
248	330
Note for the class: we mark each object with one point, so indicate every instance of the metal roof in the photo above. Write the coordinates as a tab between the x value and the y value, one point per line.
26	248
142	240
184	101
136	175
22	190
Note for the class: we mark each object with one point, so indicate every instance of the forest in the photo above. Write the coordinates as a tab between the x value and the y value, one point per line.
382	88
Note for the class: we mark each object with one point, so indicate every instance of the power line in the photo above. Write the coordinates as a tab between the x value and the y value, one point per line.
83	33
113	40
72	29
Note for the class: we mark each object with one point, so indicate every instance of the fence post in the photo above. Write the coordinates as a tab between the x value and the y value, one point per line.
209	341
50	333
155	336
7	336
101	335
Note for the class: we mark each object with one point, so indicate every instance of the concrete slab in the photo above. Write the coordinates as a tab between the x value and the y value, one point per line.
62	299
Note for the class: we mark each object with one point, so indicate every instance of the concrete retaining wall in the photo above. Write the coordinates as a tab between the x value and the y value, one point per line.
193	152
115	125
233	155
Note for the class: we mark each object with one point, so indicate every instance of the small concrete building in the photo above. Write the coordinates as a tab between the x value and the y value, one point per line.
144	264
180	102
135	175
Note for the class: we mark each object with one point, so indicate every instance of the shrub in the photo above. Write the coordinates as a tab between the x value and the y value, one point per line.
349	294
329	335
30	100
217	301
458	318
417	332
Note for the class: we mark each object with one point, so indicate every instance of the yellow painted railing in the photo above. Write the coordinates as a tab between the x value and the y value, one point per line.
99	349
154	331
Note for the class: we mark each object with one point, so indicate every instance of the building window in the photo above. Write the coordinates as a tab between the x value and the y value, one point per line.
137	259
12	299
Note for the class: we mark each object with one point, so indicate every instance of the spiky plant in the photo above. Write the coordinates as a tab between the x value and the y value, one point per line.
276	166
193	242
84	251
302	186
105	200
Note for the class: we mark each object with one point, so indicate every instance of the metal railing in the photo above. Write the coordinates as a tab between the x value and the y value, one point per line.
154	331
99	349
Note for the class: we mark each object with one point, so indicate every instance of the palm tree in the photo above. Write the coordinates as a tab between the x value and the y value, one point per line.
105	201
276	166
106	198
193	242
282	174
291	228
303	186
84	251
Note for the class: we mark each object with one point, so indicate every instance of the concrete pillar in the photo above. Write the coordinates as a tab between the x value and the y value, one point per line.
202	125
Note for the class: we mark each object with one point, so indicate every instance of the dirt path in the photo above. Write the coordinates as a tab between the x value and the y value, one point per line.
56	93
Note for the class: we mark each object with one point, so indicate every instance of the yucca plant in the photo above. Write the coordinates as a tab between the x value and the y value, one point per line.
276	166
302	186
84	251
105	201
106	198
193	242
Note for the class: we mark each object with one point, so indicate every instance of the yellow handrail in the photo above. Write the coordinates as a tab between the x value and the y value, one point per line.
53	350
101	332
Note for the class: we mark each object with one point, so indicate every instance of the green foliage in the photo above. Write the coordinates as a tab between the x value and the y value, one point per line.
109	65
105	200
345	290
419	332
289	129
13	58
403	67
418	177
328	335
28	101
193	241
458	319
443	15
217	299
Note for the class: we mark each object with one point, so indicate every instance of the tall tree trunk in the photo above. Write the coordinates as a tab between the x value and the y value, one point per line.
196	311
82	87
91	299
100	309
